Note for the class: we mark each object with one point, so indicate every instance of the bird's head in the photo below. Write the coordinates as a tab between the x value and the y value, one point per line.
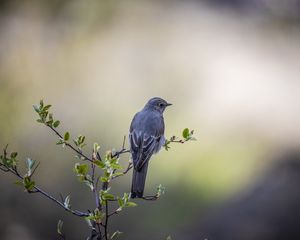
157	104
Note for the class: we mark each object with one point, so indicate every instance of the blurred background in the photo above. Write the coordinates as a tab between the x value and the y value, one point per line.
231	69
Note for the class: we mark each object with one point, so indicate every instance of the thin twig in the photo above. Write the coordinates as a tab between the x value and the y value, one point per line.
5	151
99	156
130	166
3	168
97	181
95	190
99	230
70	145
38	164
61	197
114	212
96	193
120	152
39	190
124	140
74	212
178	141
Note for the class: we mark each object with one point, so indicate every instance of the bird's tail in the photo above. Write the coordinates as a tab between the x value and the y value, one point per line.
138	181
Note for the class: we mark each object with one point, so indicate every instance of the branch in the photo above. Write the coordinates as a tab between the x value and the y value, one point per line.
113	213
178	141
3	168
95	187
97	200
74	212
120	152
70	145
99	218
130	166
39	190
187	136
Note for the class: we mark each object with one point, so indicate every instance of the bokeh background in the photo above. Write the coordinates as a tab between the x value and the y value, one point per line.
231	69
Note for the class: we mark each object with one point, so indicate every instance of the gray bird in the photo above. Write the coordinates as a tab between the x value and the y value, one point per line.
146	137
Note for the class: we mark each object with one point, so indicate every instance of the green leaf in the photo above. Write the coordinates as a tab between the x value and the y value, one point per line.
46	107
166	145
41	103
108	155
160	190
99	164
116	235
88	221
61	141
81	168
186	133
7	162
104	179
130	204
13	154
28	183
88	182
96	216
30	163
67	136
81	139
117	174
115	166
114	161
56	124
107	196
126	197
120	202
49	123
107	173
96	147
36	108
59	227
19	183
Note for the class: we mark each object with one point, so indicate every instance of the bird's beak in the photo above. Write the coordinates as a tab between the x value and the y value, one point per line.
169	104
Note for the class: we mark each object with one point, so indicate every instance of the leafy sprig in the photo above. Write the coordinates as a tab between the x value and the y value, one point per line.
91	170
187	135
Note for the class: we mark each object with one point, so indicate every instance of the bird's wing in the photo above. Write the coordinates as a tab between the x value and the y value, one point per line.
142	147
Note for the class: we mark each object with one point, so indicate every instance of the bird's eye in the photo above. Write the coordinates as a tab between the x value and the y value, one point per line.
161	104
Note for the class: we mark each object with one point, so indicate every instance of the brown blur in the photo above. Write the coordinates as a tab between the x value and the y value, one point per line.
231	69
